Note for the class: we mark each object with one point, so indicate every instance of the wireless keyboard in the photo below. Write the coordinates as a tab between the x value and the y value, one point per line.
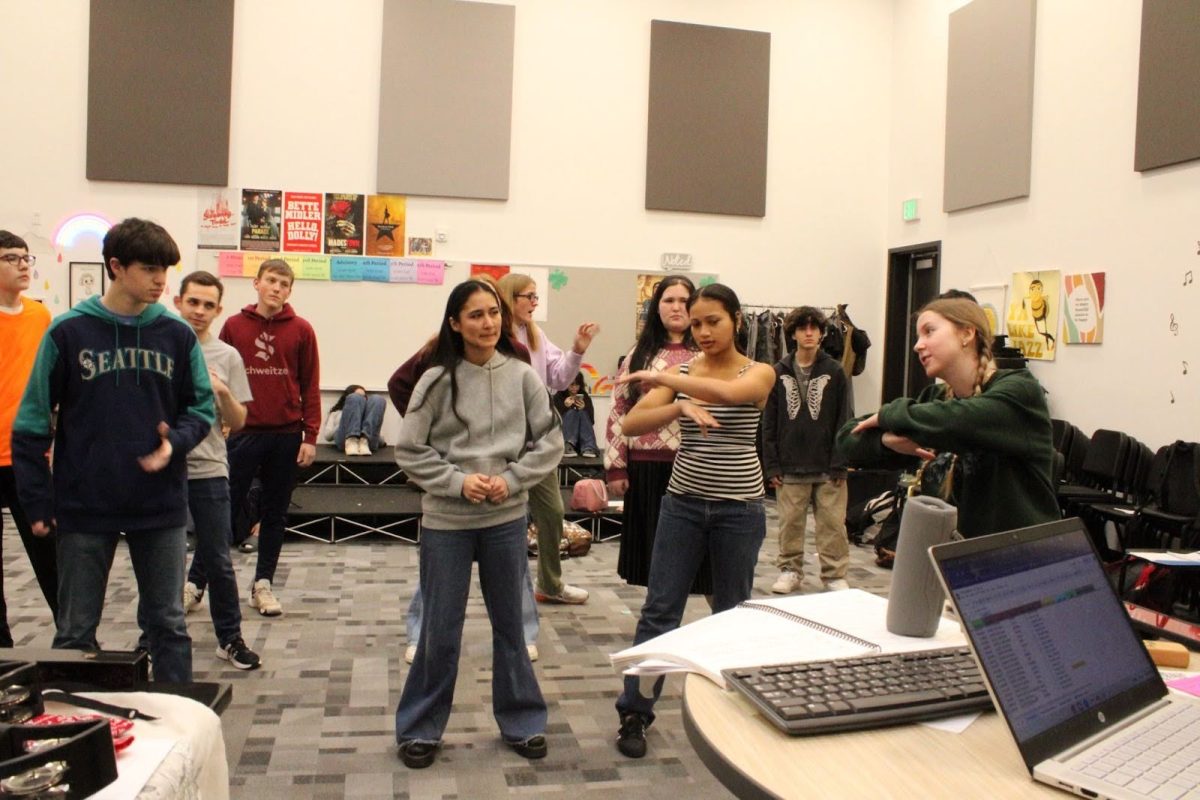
864	691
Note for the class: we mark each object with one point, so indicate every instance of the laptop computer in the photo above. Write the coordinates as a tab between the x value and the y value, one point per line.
1064	666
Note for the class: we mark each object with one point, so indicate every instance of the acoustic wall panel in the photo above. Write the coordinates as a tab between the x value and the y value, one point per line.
989	103
1168	114
445	98
706	143
159	91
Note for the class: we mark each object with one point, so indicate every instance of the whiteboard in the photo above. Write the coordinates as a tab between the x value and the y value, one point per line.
365	329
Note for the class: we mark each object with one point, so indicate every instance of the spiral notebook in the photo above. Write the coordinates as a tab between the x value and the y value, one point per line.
780	630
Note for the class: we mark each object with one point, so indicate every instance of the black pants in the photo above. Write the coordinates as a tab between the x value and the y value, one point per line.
41	550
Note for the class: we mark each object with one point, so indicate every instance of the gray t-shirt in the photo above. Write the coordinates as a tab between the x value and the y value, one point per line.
208	459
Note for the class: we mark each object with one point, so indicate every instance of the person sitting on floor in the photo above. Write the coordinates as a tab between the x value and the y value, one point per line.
354	421
574	405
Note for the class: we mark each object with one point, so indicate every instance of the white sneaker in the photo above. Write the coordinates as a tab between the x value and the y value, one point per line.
787	582
191	597
364	446
570	595
351	446
262	598
836	585
410	654
533	651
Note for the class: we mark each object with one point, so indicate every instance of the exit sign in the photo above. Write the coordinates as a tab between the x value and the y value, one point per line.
909	212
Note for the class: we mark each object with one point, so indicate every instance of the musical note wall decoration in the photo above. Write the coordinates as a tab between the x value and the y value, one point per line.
1174	326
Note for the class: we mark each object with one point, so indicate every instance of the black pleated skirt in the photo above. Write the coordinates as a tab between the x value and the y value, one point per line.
647	484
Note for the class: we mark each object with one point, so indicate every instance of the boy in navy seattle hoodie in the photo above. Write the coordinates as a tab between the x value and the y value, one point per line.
132	394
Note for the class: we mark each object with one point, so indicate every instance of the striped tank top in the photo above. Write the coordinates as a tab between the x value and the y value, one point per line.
724	464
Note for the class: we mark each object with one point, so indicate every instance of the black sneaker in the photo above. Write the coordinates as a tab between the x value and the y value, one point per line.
416	754
533	747
239	655
631	737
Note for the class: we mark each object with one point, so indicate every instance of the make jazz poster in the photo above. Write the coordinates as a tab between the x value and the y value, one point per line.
302	222
261	213
1083	308
218	226
344	224
385	225
1033	309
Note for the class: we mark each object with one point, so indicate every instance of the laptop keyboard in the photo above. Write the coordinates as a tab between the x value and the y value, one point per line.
1158	759
864	691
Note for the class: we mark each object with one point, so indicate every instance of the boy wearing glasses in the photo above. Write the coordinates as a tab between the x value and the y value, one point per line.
22	323
133	396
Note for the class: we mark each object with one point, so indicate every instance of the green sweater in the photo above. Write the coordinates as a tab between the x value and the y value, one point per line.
1003	441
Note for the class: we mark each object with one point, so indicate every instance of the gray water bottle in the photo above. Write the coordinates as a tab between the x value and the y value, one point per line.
915	600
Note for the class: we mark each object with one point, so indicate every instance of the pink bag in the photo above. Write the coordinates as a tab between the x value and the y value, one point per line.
589	494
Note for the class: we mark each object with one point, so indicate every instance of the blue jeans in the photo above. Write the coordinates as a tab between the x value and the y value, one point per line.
208	500
446	557
529	614
361	416
272	456
577	430
158	555
730	532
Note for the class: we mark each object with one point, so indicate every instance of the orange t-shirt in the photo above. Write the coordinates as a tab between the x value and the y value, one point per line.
20	335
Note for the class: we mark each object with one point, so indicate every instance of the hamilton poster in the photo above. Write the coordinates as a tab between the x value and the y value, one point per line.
385	225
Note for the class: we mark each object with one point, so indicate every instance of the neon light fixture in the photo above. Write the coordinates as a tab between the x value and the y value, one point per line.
78	226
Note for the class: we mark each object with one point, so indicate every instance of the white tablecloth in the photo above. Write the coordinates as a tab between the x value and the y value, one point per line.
188	732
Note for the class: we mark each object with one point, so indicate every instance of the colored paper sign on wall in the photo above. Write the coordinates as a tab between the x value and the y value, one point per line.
376	269
402	270
302	222
431	273
251	262
385	225
497	271
346	268
229	265
1083	308
313	268
1032	322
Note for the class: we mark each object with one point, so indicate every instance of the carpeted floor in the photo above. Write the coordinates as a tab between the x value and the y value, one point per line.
317	720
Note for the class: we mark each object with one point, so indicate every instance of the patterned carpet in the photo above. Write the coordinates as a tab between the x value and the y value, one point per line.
316	721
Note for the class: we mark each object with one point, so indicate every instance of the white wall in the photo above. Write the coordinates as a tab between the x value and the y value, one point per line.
1088	211
305	117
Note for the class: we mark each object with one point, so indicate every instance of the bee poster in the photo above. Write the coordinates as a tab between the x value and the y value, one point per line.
1033	311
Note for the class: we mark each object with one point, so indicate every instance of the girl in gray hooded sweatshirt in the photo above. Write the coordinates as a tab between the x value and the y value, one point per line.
479	432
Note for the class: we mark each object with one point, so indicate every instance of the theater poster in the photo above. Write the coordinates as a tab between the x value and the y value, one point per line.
218	225
1033	310
1083	308
302	222
344	224
261	217
385	225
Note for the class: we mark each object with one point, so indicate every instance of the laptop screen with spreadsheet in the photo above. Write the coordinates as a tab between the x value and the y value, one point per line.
1056	646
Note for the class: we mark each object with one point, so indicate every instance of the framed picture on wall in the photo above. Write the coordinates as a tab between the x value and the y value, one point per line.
87	280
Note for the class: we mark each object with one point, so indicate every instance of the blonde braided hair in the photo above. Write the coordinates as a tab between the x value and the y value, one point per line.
968	315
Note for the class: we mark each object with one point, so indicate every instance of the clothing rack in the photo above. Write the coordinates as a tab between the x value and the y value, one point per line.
826	310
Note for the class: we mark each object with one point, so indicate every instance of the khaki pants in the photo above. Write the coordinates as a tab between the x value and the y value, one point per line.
546	510
829	512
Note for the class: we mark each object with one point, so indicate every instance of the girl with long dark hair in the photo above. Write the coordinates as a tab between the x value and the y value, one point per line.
714	501
479	432
639	467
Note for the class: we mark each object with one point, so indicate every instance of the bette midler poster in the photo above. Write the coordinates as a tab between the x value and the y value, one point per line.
1033	310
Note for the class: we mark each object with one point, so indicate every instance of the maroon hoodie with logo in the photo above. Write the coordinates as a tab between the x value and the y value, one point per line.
284	370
